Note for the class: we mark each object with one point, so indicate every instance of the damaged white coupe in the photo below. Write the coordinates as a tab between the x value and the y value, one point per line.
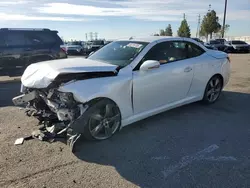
123	82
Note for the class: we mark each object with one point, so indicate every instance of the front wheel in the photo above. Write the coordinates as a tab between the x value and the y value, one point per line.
101	121
213	90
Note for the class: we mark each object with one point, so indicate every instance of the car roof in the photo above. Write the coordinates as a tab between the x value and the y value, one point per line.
150	39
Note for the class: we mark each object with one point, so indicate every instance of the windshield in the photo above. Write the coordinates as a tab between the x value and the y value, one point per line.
222	41
120	53
214	42
238	42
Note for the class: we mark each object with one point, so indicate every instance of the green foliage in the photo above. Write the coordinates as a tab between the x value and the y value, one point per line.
210	24
184	29
168	31
162	32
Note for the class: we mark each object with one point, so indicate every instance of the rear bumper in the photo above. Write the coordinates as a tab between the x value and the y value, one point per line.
225	70
242	49
74	52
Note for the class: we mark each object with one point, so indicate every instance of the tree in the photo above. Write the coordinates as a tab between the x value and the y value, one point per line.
210	24
168	31
184	29
162	32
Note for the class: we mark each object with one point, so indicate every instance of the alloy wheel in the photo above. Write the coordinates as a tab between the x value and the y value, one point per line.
104	122
214	89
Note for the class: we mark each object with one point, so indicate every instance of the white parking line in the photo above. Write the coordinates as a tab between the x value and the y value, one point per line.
188	160
221	158
197	157
160	158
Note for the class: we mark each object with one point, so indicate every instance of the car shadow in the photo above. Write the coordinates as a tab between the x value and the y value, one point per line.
141	151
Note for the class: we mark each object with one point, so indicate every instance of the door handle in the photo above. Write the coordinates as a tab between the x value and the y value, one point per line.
28	49
187	69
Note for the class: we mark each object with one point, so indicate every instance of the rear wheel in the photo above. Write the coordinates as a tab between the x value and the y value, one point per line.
213	90
102	120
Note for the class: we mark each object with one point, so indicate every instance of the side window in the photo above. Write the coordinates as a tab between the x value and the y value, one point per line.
167	52
194	50
15	39
37	38
171	51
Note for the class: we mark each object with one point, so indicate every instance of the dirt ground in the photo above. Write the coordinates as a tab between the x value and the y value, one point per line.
191	146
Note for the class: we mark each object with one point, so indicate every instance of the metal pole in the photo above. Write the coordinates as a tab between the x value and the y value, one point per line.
224	19
198	27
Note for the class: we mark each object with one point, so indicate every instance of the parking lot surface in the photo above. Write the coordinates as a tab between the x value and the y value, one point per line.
191	146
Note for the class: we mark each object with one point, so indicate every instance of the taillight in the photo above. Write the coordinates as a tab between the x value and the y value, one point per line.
64	49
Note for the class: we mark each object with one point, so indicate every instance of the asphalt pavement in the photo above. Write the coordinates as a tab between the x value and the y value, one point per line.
191	146
7	92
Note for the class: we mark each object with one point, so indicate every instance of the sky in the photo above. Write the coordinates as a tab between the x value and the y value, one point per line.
113	19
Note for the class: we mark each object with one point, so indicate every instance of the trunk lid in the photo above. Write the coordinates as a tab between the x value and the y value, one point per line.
217	54
41	75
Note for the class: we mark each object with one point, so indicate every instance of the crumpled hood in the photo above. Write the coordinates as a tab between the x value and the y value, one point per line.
40	75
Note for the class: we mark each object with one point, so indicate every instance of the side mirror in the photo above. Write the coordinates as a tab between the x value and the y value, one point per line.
149	64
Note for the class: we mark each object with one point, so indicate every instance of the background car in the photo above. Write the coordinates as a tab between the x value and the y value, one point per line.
205	44
240	46
123	82
221	46
222	41
94	45
74	48
22	47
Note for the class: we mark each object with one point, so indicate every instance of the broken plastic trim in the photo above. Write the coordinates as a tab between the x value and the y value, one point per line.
63	78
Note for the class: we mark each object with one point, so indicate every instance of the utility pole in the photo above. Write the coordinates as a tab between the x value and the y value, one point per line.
91	36
96	35
224	19
198	27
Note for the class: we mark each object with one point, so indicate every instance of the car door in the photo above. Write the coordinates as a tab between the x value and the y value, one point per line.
41	43
164	85
16	53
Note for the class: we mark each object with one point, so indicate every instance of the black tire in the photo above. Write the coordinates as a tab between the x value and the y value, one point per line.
83	126
210	89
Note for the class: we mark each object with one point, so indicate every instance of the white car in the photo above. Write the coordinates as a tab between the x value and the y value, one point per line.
124	82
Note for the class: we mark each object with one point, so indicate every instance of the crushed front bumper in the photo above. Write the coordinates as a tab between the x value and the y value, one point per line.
56	111
24	98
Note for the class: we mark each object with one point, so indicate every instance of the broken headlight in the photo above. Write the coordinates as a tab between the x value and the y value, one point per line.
66	98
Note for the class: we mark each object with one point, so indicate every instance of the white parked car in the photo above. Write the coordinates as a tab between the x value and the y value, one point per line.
124	82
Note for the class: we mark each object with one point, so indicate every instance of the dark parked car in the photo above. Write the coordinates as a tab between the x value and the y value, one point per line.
222	41
205	44
22	47
221	46
240	46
